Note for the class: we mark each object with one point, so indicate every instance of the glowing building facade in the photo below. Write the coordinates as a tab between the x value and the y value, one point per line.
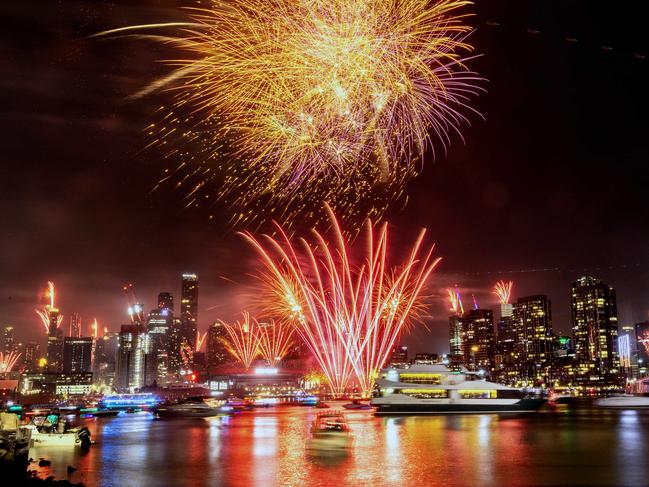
136	364
189	308
478	339
594	327
77	355
532	319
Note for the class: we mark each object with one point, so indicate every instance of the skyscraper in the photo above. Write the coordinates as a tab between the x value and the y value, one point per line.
478	339
75	325
104	364
7	339
594	327
642	344
136	365
159	323
77	355
217	354
455	340
189	308
532	317
31	355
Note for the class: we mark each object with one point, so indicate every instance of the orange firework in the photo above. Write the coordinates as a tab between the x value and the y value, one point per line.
243	343
280	104
349	316
200	339
8	361
503	290
275	341
49	310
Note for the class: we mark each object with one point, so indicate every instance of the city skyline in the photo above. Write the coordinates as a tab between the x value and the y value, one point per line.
526	203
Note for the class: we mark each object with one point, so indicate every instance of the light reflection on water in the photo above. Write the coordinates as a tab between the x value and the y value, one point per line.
267	447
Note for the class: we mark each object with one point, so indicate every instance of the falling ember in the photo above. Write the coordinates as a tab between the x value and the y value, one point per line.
275	341
503	290
94	328
8	361
281	105
350	316
243	343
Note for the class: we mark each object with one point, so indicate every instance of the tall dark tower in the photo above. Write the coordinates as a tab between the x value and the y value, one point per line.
189	308
594	327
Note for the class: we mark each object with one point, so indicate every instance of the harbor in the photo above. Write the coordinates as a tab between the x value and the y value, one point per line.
269	446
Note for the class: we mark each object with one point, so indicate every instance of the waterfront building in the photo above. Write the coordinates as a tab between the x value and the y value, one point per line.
532	317
642	347
55	384
77	355
7	339
594	326
217	354
75	325
455	340
478	339
159	323
174	343
426	358
104	364
399	355
189	308
136	364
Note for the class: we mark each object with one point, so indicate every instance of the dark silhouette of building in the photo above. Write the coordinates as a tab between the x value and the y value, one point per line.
77	355
217	354
189	308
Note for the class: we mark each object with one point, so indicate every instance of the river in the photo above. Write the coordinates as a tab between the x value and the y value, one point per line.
266	447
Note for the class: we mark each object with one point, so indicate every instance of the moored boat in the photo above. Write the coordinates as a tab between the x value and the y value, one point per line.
54	431
197	407
436	389
623	401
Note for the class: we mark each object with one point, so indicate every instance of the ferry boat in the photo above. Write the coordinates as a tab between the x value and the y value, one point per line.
436	389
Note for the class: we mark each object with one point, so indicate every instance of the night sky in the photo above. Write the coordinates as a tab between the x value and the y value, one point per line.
554	178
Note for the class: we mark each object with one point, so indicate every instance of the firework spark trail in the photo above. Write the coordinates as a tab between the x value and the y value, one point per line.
349	316
8	361
275	341
243	343
94	329
503	290
45	313
322	100
200	340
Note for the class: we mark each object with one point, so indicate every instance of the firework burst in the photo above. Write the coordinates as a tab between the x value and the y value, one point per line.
350	316
49	309
8	361
281	104
275	341
243	343
503	290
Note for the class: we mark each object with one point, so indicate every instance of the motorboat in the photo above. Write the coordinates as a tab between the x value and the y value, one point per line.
623	401
196	407
357	405
330	433
436	389
51	430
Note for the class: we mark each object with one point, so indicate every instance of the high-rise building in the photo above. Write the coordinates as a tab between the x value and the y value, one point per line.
104	363
166	301
642	346
455	335
7	339
217	354
159	324
532	317
31	355
189	308
75	325
594	327
478	339
136	364
77	355
174	343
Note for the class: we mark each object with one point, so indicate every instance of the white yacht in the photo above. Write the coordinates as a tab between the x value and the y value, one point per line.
623	401
433	389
